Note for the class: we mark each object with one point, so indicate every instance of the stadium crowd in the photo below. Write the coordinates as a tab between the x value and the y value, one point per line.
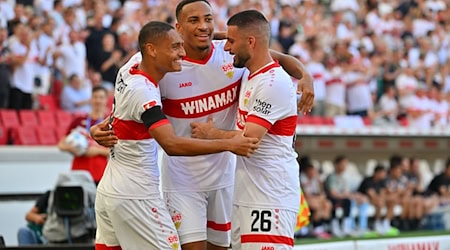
391	197
387	60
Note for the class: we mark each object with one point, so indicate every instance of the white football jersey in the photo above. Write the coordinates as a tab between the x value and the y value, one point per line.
269	178
132	171
202	88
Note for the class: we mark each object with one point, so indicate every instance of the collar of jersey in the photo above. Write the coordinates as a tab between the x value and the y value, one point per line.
264	69
135	71
204	61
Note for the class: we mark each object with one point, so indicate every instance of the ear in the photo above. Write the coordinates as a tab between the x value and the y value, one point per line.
251	41
150	49
178	28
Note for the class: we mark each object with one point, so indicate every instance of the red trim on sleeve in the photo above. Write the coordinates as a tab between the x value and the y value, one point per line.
333	81
130	130
135	71
105	247
264	69
204	61
219	227
259	121
267	238
159	124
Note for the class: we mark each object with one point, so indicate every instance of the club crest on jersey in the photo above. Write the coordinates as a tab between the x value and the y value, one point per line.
149	105
247	95
228	69
173	241
176	218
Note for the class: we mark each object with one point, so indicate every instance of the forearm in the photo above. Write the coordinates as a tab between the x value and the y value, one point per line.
293	67
222	134
182	146
107	64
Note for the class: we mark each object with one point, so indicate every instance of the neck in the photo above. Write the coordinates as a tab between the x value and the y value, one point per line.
258	61
196	53
97	114
151	70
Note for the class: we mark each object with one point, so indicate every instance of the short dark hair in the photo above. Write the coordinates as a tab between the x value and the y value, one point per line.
72	76
183	3
379	168
395	160
99	88
339	159
251	20
152	32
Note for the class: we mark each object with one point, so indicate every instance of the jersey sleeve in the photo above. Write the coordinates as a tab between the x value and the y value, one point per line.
146	105
272	101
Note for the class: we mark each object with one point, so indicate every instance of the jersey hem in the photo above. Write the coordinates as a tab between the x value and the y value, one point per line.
265	206
172	190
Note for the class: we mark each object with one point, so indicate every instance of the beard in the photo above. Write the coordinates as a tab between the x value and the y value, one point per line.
241	60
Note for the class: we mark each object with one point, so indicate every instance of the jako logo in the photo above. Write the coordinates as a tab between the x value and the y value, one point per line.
185	84
267	248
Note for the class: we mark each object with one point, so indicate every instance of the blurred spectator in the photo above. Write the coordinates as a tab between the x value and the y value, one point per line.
335	92
6	13
24	60
315	196
399	190
46	45
439	108
359	99
109	60
72	57
339	192
94	40
5	68
393	67
440	185
419	109
76	96
95	158
387	109
32	233
318	71
406	84
19	17
374	187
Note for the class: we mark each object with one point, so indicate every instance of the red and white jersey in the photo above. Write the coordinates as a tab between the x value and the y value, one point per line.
202	88
132	171
269	178
319	72
422	104
358	91
335	88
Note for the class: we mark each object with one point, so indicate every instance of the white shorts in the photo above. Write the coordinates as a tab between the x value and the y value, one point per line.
200	216
257	228
133	224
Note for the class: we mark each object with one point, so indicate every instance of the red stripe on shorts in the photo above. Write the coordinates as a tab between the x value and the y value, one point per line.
266	238
105	247
219	227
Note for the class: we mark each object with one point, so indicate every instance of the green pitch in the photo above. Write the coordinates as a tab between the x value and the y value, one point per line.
372	237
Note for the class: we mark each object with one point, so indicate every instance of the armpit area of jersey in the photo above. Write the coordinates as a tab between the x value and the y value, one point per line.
152	116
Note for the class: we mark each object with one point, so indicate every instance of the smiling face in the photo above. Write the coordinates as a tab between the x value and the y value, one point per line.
169	52
236	44
196	25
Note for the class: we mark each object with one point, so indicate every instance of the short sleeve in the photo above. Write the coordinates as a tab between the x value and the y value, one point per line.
272	101
144	98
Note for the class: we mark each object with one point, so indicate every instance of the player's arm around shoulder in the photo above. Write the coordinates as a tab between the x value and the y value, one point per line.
296	69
